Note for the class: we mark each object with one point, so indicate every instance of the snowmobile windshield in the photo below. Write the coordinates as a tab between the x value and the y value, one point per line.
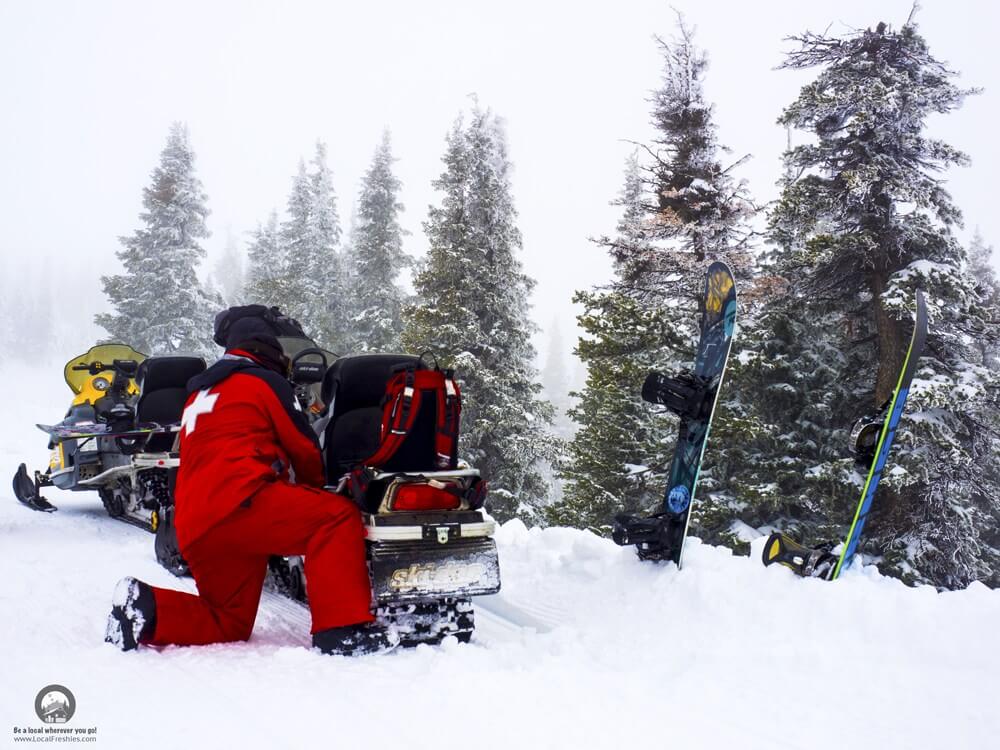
104	354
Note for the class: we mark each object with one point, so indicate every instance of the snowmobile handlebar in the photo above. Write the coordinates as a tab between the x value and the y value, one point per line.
127	367
304	372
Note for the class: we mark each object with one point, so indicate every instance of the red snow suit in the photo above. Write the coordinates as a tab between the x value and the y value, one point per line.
236	437
247	490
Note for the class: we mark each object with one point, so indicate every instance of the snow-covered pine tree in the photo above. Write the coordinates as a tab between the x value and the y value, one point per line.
986	412
311	285
982	268
377	257
863	220
471	310
682	210
555	381
299	288
616	459
229	275
323	278
266	265
160	305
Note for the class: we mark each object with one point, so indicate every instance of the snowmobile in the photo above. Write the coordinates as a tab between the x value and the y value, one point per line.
388	426
389	434
118	436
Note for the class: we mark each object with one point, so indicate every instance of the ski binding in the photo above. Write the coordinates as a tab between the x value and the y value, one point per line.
818	562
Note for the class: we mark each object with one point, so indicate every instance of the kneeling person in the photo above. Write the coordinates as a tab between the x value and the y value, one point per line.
248	488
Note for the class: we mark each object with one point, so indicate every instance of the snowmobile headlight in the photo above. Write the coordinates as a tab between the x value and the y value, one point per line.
101	384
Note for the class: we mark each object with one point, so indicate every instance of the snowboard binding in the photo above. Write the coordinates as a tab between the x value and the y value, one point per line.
864	436
651	536
818	562
687	395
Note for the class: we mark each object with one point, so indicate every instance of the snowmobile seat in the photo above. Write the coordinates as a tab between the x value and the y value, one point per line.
355	389
163	392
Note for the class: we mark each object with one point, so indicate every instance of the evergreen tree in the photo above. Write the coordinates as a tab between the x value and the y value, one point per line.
267	264
160	305
311	284
617	458
982	267
681	211
471	309
377	257
229	275
324	278
862	222
555	381
299	288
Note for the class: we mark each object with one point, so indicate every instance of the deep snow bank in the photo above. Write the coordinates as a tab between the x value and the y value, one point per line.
604	651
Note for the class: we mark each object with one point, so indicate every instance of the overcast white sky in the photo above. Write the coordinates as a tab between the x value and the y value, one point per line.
88	90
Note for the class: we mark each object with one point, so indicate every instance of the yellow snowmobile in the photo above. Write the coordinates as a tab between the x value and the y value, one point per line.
118	436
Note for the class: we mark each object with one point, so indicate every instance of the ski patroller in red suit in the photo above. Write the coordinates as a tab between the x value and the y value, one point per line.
247	489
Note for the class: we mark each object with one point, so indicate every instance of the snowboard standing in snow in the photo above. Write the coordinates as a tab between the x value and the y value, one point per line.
872	442
692	396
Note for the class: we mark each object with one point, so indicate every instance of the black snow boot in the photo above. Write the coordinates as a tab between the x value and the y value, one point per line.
356	640
133	614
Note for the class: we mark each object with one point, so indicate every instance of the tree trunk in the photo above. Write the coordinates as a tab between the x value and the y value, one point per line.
891	343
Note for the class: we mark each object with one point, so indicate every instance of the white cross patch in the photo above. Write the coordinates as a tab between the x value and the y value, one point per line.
203	404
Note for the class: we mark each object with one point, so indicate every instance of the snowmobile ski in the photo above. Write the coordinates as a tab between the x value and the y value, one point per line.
693	397
820	562
26	490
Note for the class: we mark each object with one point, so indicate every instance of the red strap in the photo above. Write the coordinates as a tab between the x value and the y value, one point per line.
398	415
449	405
404	395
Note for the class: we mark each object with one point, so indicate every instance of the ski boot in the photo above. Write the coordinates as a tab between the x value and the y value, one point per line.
26	490
808	563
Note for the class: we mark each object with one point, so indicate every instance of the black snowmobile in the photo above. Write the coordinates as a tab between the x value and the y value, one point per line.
118	436
389	435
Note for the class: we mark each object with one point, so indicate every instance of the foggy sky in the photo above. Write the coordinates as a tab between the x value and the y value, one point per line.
89	89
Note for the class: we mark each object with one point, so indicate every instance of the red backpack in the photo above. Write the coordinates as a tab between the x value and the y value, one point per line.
410	391
394	416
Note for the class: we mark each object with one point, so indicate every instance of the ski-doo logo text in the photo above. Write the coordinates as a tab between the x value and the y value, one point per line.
429	577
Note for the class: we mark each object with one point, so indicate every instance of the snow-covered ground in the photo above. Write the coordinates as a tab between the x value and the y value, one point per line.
603	651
